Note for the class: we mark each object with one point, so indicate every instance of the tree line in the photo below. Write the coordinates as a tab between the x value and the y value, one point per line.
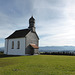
57	53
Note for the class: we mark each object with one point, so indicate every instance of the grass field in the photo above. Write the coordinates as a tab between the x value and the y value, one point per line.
38	65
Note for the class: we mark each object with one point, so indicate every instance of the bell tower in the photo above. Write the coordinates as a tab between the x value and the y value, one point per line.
32	24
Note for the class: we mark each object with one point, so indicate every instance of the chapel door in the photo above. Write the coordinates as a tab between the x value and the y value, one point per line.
32	51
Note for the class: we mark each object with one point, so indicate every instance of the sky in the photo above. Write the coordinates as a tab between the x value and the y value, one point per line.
54	20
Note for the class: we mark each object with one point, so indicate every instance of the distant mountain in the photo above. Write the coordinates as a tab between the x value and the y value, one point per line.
56	48
2	49
52	48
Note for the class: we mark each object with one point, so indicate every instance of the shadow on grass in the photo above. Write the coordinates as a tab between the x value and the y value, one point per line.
4	55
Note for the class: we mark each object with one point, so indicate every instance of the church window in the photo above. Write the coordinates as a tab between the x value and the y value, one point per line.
12	44
18	45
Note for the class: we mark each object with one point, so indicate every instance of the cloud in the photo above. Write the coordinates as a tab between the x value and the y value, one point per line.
55	19
47	10
60	27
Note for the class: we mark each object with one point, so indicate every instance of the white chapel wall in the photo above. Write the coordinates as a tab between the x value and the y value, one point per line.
5	51
16	51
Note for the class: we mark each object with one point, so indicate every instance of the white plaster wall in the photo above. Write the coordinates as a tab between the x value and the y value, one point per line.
5	50
16	51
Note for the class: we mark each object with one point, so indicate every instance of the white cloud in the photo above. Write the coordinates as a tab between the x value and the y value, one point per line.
2	44
55	20
62	30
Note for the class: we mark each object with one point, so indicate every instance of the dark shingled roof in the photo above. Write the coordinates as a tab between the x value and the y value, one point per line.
19	33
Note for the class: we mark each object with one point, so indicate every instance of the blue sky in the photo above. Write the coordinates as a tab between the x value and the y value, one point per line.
55	20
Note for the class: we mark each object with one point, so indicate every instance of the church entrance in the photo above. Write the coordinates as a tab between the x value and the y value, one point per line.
32	48
32	51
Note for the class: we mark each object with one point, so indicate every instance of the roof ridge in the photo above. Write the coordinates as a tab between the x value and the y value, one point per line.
22	29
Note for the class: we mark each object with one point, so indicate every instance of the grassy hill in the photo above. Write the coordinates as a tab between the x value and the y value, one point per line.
37	65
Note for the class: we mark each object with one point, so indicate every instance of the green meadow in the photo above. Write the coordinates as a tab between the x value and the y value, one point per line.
38	65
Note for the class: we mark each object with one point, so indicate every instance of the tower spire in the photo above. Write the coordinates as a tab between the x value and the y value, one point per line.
32	24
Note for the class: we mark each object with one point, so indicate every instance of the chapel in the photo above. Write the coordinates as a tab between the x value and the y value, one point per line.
23	42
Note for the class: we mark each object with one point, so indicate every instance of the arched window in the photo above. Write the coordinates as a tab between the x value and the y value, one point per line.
12	44
18	45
